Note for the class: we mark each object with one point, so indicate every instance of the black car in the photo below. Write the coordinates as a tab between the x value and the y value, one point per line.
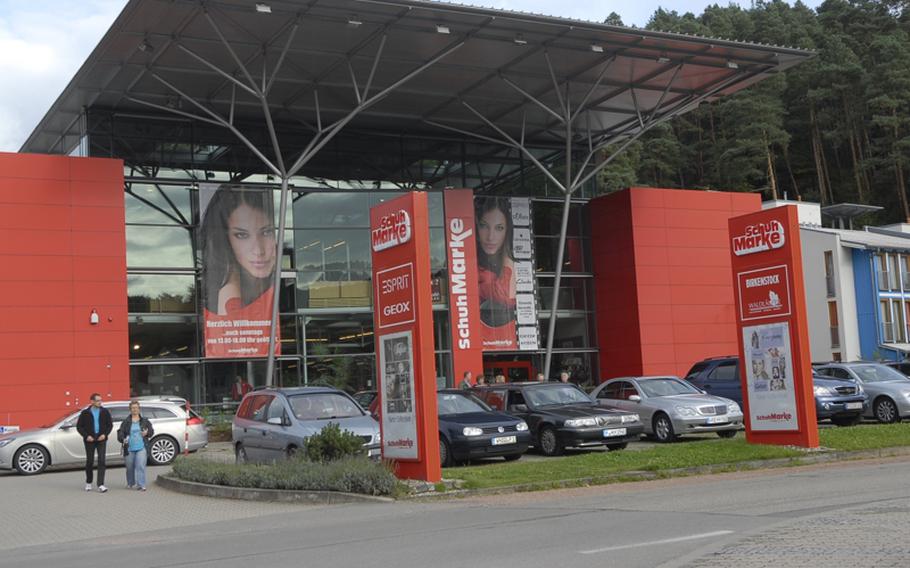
839	401
470	429
562	415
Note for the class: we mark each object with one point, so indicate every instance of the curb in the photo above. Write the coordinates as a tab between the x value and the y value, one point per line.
266	495
632	476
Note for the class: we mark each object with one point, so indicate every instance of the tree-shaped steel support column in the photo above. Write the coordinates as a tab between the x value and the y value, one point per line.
260	91
593	143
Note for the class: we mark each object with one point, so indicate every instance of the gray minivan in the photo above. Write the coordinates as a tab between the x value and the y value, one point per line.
272	424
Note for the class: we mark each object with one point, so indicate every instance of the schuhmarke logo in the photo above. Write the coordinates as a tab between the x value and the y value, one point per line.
759	237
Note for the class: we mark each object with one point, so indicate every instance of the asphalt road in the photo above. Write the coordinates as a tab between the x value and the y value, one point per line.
740	519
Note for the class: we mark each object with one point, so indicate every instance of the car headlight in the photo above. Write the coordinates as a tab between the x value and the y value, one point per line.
733	408
6	442
377	437
629	418
581	422
522	426
472	431
822	391
686	411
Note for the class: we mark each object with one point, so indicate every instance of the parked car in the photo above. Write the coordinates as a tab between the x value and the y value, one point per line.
365	398
57	444
843	404
468	428
888	390
670	407
274	423
562	415
903	367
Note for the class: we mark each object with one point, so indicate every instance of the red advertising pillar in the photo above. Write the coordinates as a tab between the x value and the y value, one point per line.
776	368
403	324
464	297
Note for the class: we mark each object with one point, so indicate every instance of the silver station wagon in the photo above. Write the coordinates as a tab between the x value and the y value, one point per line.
273	424
58	444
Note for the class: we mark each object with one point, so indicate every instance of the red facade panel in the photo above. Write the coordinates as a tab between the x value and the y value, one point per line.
678	308
63	249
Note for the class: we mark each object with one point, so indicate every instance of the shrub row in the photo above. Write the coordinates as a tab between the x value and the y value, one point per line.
351	475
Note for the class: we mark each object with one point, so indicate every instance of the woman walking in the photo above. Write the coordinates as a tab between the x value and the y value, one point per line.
134	434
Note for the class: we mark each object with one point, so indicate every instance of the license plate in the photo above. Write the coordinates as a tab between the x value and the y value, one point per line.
614	432
717	419
504	440
854	405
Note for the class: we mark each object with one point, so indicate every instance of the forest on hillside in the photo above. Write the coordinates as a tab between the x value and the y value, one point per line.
834	129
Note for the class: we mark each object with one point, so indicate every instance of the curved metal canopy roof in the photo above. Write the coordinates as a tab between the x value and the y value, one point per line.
510	68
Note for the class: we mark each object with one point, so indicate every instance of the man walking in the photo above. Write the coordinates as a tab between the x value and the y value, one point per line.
95	425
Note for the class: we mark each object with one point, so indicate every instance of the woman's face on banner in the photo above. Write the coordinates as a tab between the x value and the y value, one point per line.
492	230
252	237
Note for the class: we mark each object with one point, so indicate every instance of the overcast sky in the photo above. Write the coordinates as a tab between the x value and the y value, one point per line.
43	43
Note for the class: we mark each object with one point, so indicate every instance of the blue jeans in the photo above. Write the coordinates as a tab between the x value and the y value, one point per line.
135	468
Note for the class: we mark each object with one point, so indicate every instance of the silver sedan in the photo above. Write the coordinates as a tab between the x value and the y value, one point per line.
670	407
32	451
888	390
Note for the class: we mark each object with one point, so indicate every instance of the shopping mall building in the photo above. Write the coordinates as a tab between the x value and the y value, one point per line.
345	104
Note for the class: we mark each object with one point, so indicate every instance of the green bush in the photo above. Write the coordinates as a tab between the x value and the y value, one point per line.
332	444
352	474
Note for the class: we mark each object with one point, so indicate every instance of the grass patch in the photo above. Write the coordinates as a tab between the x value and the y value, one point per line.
661	459
867	437
602	464
351	475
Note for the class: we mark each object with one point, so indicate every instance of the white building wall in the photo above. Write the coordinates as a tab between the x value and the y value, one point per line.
814	246
808	212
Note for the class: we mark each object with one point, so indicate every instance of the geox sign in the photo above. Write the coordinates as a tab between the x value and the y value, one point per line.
759	238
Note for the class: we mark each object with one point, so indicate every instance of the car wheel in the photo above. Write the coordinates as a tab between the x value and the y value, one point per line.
617	447
31	460
445	453
548	442
847	420
727	433
240	455
663	429
512	457
162	450
886	411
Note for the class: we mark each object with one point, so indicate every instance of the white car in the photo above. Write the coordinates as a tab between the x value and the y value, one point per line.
32	451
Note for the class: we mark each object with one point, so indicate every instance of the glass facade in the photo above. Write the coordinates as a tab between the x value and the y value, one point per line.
326	295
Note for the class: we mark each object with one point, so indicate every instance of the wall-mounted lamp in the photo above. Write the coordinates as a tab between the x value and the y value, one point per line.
263	8
354	21
93	317
597	48
520	40
732	64
441	29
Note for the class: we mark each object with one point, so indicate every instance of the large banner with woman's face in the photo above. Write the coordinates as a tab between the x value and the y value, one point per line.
238	248
505	267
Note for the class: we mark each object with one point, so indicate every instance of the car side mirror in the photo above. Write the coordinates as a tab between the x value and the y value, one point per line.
519	408
276	421
634	398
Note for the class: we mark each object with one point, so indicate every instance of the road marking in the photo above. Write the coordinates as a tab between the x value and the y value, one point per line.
654	542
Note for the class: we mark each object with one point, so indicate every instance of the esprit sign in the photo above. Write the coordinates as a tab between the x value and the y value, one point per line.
395	295
394	229
759	238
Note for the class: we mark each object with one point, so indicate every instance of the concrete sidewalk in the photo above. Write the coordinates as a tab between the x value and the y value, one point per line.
53	508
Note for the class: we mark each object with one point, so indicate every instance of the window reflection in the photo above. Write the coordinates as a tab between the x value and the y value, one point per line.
162	337
350	374
159	204
173	380
161	293
339	333
319	209
158	247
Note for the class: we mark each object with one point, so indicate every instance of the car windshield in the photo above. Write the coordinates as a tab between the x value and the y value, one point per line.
454	403
60	419
323	406
878	374
556	395
666	387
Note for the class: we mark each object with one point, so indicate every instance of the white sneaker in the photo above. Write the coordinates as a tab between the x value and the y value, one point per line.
88	486
102	489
